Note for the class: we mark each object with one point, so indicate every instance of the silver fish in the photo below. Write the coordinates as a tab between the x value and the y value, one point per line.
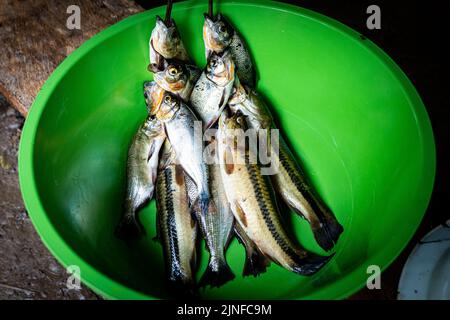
165	43
178	78
142	168
213	89
179	122
177	228
253	203
219	36
217	228
290	181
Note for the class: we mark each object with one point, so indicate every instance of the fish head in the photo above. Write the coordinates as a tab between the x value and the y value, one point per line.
153	95
173	78
217	33
238	95
166	39
236	122
220	68
170	104
153	126
231	132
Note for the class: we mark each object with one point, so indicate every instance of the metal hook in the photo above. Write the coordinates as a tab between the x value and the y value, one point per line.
210	8
168	11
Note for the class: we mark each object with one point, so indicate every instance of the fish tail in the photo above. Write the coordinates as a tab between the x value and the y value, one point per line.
255	263
324	225
216	274
327	232
128	227
310	264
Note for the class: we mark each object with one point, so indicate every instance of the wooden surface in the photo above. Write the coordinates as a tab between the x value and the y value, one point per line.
34	40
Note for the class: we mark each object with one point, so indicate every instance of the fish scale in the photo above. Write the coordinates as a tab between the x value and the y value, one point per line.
177	229
262	197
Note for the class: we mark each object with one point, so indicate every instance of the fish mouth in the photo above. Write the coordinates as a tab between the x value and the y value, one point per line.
154	96
159	63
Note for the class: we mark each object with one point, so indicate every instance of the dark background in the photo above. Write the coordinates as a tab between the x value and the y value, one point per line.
415	34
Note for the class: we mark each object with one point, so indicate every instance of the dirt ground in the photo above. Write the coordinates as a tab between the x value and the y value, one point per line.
27	269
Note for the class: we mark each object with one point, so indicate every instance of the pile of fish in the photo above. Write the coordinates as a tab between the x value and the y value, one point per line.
231	196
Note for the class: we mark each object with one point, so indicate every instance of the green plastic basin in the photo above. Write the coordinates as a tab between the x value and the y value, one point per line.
348	111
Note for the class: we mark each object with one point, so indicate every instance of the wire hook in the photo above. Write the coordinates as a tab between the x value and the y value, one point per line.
210	8
168	11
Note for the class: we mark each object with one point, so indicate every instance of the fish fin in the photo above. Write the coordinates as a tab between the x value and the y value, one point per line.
205	204
310	264
128	228
256	262
179	175
228	161
325	227
216	274
202	205
327	233
240	212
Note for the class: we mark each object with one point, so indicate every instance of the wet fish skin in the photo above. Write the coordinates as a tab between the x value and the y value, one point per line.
254	206
165	43
177	228
178	78
290	182
213	89
218	36
142	165
217	228
179	122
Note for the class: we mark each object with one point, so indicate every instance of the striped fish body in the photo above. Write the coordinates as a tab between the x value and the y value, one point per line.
290	181
177	228
254	206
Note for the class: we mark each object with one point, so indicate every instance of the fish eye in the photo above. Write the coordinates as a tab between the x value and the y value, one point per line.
168	99
173	71
145	95
239	120
152	117
222	28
